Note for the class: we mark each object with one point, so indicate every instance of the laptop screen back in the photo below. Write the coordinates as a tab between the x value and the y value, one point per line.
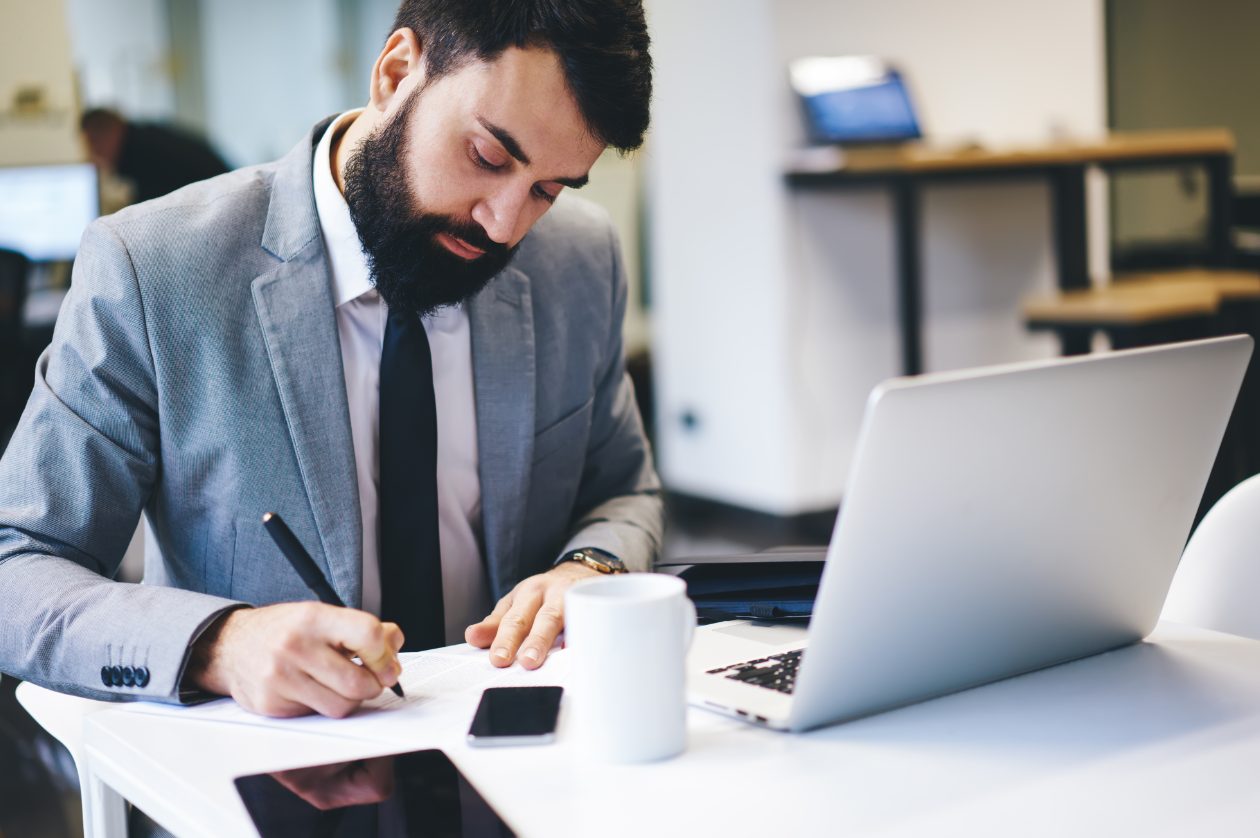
998	521
854	100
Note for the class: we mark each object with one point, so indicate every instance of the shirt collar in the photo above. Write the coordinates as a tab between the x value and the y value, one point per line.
346	260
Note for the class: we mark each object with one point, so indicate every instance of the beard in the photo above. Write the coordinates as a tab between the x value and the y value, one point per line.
414	274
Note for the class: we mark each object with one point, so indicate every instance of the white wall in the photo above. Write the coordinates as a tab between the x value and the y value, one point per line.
616	185
373	20
35	63
718	218
774	311
271	72
122	56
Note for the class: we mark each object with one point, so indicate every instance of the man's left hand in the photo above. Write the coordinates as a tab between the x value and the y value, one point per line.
527	621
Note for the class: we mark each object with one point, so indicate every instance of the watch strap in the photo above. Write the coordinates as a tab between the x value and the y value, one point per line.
594	558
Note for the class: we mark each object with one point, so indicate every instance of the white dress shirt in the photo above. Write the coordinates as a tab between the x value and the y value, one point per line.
361	328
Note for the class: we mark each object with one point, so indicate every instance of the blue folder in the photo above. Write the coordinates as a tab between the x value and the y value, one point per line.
778	585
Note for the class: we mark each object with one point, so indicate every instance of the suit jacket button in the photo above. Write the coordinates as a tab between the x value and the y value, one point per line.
115	676
105	677
142	676
129	676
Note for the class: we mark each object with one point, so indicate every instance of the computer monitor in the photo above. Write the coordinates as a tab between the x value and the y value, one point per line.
854	99
44	209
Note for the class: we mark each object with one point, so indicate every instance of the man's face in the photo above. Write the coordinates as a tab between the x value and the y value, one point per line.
452	179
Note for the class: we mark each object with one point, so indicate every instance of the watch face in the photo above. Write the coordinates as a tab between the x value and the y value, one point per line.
603	563
597	560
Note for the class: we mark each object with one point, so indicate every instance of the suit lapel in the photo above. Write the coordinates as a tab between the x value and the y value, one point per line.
295	310
502	326
298	319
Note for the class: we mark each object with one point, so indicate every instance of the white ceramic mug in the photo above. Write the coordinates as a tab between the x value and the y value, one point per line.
627	636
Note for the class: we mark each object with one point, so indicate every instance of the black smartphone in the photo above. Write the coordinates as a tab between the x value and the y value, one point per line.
516	716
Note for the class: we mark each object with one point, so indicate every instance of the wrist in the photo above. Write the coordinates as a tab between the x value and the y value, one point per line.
573	570
207	660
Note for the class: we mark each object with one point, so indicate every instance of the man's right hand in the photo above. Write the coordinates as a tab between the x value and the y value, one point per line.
294	658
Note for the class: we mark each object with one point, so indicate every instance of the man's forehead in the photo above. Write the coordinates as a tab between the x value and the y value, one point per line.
523	93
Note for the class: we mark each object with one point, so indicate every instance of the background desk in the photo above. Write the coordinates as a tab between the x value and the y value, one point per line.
1162	738
906	169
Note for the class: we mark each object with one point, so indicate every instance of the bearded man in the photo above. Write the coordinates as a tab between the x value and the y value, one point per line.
401	337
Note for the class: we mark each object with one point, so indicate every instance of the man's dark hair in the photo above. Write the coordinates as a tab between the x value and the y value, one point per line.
602	45
99	119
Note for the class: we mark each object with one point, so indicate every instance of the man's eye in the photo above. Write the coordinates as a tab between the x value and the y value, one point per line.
544	194
481	161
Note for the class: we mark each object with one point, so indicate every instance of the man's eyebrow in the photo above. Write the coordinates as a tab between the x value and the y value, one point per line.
513	148
573	182
505	137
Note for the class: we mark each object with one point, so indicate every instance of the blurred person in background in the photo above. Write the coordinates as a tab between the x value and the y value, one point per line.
154	159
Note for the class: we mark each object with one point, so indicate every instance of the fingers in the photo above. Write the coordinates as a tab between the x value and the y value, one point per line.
291	659
294	693
548	623
334	670
481	634
515	624
394	636
362	634
322	699
525	624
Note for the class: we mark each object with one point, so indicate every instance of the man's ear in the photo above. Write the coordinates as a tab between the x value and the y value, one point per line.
397	71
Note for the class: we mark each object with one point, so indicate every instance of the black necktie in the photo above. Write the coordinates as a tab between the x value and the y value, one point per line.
410	557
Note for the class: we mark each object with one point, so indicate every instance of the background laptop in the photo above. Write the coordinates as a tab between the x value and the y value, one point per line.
996	521
853	99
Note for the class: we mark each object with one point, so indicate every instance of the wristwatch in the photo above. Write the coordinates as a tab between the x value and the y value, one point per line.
600	561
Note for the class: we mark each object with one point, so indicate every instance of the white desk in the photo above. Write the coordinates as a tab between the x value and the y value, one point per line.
1162	738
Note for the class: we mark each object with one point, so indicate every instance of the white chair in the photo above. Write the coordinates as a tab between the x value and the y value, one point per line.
1217	585
104	811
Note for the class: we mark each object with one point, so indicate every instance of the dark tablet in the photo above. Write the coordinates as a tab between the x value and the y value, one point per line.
420	793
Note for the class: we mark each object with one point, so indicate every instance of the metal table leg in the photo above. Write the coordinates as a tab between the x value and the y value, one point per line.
1220	174
906	223
1071	241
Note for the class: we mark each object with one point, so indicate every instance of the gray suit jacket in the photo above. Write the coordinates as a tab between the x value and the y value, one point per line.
195	374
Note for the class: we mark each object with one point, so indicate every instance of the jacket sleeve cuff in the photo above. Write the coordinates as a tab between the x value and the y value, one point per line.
151	665
188	693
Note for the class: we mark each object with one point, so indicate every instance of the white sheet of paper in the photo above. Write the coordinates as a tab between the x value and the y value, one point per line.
445	674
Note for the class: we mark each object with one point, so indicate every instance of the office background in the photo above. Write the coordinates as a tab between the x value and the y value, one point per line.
762	314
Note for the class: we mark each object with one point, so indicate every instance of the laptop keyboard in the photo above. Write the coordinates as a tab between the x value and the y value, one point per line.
777	672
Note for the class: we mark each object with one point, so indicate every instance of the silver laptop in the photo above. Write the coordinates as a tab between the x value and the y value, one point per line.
996	521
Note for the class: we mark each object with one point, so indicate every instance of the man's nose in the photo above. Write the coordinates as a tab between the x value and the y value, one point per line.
499	213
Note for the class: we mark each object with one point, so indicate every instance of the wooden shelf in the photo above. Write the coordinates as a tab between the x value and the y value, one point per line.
922	158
